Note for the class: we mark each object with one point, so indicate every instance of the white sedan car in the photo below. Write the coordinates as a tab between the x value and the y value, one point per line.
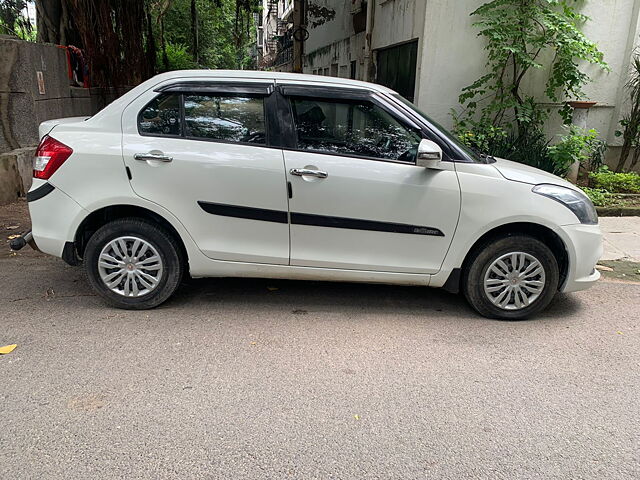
261	174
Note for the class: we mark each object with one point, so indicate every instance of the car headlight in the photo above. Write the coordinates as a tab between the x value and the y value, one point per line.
574	200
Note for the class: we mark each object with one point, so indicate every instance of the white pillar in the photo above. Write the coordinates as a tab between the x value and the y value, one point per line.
579	119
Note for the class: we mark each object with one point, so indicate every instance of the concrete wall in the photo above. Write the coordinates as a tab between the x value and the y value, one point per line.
24	104
452	56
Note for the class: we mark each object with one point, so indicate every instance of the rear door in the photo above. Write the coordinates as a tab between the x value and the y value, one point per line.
358	199
205	151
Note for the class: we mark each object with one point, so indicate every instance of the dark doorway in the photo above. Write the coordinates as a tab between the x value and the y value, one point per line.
397	68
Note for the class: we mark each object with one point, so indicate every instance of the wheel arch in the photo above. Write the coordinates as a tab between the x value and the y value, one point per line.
535	230
100	217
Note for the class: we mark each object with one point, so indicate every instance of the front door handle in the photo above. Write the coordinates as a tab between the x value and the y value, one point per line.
305	172
152	156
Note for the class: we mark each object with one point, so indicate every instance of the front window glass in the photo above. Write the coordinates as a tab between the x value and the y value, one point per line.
352	128
228	118
161	116
452	139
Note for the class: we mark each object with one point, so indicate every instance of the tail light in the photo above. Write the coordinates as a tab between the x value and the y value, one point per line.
51	154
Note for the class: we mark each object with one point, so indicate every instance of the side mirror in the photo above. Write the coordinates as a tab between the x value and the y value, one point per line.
429	154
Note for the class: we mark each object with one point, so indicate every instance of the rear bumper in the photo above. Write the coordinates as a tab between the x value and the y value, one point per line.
585	247
54	219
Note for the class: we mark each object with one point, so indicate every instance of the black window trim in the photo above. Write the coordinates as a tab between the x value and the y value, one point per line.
269	141
341	93
231	88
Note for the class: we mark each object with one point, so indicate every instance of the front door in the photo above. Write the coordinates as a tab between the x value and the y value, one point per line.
358	199
204	153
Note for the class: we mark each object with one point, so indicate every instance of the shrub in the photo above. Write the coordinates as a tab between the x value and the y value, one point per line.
479	136
598	196
576	146
178	56
615	182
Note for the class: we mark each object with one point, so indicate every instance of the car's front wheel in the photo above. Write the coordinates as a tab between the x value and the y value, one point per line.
511	278
133	264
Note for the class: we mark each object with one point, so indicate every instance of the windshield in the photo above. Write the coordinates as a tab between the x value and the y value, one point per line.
443	132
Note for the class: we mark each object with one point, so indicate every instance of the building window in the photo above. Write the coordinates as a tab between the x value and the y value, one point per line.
396	68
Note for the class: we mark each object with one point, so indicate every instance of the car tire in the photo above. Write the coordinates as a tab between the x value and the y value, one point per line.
500	285
133	264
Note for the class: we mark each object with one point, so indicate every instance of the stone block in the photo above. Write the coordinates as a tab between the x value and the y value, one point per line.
16	174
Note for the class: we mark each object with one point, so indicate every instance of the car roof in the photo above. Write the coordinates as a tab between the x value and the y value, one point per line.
298	78
112	112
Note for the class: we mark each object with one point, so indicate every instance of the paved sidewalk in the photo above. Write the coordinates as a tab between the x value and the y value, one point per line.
621	238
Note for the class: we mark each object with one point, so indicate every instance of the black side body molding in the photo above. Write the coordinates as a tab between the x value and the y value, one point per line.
249	213
357	224
279	216
40	192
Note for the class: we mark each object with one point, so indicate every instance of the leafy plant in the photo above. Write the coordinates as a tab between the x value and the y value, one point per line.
614	182
519	33
600	197
630	123
576	146
13	21
530	148
178	57
479	136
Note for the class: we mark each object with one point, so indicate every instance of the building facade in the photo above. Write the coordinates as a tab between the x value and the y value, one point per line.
275	35
428	50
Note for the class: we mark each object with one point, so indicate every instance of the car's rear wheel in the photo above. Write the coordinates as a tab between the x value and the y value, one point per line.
511	278
133	264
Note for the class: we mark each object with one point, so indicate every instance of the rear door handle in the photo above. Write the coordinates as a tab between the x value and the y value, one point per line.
305	172
158	157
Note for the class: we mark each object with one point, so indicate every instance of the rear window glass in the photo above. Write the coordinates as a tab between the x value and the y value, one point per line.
161	116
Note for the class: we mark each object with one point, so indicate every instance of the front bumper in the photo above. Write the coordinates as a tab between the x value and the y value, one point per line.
584	247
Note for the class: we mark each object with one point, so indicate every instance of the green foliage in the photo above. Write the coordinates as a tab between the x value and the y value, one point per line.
519	33
598	196
532	148
178	57
613	182
479	136
13	21
576	146
226	32
630	123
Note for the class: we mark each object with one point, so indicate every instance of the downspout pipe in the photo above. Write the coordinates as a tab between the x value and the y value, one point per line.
368	63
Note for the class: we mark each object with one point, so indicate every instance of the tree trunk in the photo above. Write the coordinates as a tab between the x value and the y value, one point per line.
163	43
150	47
635	158
194	31
48	14
624	154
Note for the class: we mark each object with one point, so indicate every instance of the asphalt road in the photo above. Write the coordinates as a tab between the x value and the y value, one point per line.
274	379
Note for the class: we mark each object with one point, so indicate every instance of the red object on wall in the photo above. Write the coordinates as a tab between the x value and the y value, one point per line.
77	68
